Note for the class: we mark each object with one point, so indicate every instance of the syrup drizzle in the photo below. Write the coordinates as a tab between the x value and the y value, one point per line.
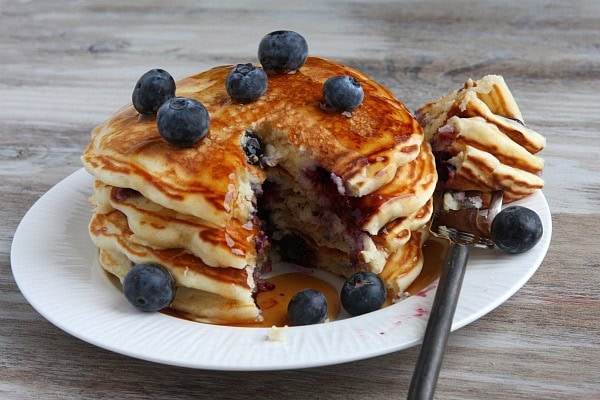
273	303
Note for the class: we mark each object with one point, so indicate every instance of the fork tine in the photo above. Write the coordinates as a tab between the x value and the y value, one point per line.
466	225
465	238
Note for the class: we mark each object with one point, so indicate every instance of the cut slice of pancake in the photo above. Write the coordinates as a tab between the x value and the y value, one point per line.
364	230
398	232
410	189
488	98
349	189
481	142
477	132
479	170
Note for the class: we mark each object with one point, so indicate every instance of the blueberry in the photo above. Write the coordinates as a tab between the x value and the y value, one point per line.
149	287
281	52
307	307
152	90
252	147
343	93
516	229
246	83
363	292
182	122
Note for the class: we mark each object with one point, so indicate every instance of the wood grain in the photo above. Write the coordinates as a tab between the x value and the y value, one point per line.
67	65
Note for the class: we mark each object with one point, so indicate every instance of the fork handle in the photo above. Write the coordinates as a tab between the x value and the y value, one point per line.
427	369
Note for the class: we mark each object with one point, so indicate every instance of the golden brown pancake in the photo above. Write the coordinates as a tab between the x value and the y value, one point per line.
403	267
480	170
111	232
410	189
364	150
193	304
162	228
486	136
351	188
481	142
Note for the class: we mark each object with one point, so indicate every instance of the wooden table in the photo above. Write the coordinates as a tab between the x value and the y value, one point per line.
66	66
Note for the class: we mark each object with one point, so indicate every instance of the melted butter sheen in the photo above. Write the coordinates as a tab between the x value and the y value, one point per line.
274	302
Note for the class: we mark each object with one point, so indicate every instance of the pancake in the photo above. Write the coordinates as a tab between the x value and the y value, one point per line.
477	132
410	189
364	150
481	142
111	232
161	228
351	190
365	229
193	304
489	98
398	232
480	170
405	265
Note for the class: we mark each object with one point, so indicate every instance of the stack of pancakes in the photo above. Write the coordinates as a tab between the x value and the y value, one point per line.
481	141
339	191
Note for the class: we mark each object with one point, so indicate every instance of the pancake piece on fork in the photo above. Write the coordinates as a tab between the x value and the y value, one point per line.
481	141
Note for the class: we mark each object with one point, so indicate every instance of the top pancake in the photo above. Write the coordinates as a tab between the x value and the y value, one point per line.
213	181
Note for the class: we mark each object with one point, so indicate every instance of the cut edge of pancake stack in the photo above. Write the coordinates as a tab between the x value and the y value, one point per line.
481	141
354	190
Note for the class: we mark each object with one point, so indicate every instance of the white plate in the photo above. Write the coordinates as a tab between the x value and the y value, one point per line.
54	264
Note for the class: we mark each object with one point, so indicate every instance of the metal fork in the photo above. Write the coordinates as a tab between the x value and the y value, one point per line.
464	227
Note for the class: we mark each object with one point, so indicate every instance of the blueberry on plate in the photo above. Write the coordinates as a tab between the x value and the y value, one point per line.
516	229
246	83
362	293
152	90
343	93
148	287
307	307
281	52
182	122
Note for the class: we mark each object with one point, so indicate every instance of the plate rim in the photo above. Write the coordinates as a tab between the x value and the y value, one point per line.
381	338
